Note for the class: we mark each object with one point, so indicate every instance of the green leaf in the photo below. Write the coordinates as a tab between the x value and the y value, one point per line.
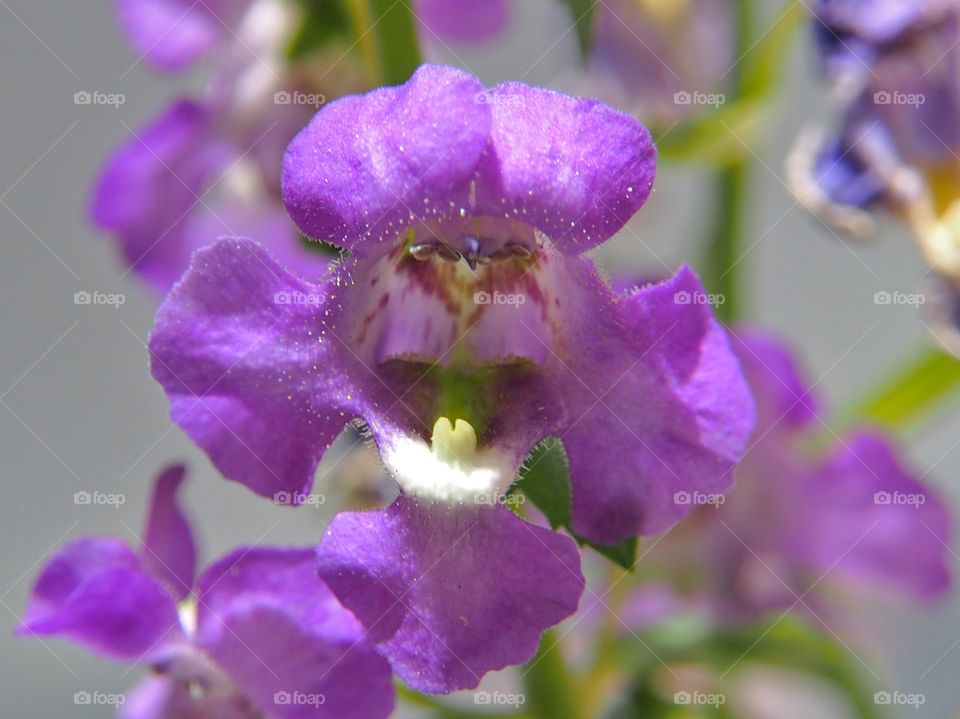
917	388
386	32
544	479
584	15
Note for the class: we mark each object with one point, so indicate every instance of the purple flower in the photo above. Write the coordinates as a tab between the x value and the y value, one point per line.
799	518
209	168
464	328
256	635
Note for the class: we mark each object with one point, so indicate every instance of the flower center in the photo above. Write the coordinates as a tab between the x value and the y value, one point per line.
451	468
466	295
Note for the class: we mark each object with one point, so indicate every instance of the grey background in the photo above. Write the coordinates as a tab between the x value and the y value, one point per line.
78	410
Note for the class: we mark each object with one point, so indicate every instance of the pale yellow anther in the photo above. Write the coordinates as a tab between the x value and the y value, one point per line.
454	443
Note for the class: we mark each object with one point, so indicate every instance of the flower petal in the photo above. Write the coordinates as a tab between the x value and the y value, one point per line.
150	184
172	34
450	593
169	552
159	697
412	150
875	521
782	394
97	593
648	399
271	623
441	147
462	20
575	169
238	347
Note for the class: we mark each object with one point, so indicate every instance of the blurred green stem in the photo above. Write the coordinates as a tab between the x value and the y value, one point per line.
723	267
549	687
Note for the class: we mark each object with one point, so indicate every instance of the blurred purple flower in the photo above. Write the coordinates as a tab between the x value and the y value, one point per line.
464	328
848	515
897	66
257	635
207	168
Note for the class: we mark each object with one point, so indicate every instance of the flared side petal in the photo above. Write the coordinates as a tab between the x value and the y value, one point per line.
450	593
238	348
275	628
97	593
655	403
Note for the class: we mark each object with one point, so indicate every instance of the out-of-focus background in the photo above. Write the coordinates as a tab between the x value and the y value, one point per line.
80	413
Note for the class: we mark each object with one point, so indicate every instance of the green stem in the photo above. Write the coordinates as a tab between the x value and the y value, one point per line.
549	687
723	266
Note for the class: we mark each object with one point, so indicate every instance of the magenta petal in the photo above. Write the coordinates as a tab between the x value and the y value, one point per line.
450	593
169	551
275	628
575	169
409	149
237	346
96	593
